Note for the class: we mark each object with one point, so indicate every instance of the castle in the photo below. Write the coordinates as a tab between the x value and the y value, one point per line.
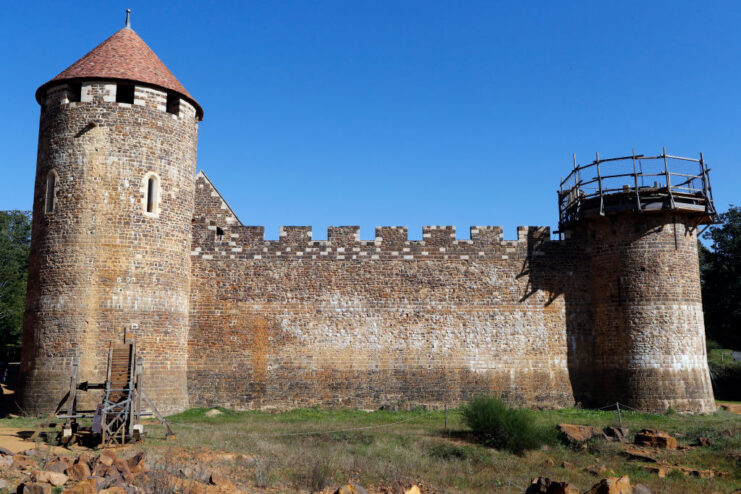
129	242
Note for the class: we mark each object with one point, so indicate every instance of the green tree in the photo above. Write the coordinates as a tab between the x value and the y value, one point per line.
15	242
720	270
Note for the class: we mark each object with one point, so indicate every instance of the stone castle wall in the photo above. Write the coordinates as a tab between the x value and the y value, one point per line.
347	322
224	317
649	334
100	265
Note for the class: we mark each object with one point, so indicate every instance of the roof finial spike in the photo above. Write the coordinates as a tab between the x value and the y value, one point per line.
128	19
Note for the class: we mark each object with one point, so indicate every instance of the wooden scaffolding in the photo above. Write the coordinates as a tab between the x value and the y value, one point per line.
120	412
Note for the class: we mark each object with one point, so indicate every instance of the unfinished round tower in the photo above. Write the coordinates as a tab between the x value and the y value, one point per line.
113	203
637	219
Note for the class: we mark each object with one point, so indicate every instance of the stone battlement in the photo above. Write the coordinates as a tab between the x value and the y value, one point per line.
104	92
218	233
343	242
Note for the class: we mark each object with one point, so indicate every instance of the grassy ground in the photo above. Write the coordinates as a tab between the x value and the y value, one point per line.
387	449
316	449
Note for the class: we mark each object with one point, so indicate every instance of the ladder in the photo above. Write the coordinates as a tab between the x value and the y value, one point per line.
118	414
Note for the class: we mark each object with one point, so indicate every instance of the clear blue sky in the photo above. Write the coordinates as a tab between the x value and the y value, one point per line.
405	113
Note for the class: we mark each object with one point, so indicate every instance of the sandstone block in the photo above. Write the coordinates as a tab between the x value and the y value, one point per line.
562	488
78	472
113	490
87	486
577	433
105	460
59	464
612	485
616	433
36	488
123	468
44	476
23	461
136	463
655	439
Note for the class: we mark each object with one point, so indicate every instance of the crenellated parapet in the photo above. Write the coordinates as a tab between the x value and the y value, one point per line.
111	93
218	234
344	243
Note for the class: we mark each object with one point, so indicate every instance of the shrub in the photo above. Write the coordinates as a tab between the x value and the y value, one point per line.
497	425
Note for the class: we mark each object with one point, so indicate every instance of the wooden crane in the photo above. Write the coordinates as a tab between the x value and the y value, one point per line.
121	410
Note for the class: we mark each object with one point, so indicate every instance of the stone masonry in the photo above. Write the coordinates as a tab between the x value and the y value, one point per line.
101	266
128	242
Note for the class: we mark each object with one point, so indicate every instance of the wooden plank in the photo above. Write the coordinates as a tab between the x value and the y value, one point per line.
158	414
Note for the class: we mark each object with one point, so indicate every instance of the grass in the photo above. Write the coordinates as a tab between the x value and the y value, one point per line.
311	449
306	448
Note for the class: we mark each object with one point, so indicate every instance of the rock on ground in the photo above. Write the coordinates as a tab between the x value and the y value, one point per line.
612	485
655	439
79	471
616	433
87	486
351	489
543	485
578	433
54	478
35	488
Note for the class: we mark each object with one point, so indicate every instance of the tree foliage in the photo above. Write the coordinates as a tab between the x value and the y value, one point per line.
15	242
720	270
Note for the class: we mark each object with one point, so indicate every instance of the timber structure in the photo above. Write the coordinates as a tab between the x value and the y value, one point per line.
637	183
118	417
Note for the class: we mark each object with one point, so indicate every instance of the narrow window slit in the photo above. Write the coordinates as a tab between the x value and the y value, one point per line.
150	194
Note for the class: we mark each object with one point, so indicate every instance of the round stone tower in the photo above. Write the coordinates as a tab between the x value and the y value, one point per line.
637	219
113	203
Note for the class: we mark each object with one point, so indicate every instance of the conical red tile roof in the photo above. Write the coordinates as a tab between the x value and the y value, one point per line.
123	56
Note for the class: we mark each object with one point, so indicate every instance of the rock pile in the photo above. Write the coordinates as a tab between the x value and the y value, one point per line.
611	485
102	474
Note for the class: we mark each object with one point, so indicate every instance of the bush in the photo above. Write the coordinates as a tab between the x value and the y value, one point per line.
497	425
